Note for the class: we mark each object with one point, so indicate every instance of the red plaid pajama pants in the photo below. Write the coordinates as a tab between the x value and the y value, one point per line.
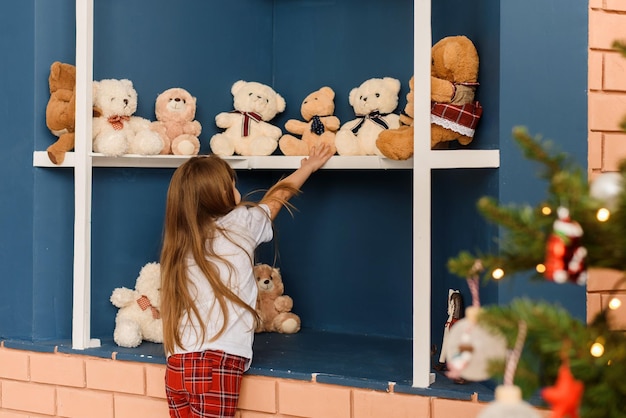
203	385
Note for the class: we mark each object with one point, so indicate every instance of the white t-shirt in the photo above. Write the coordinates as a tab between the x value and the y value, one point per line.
249	226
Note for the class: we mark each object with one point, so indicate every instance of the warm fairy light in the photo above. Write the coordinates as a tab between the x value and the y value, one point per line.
546	210
597	349
497	274
603	214
540	268
615	303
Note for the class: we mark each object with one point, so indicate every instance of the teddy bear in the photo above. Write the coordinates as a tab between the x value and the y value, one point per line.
319	125
61	109
373	103
116	131
454	77
397	144
138	317
247	128
175	111
273	307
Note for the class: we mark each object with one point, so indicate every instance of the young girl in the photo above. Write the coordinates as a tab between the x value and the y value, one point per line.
208	291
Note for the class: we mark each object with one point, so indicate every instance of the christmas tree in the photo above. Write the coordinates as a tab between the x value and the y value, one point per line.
580	225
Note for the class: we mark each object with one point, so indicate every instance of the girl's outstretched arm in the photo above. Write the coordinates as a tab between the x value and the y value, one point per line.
282	191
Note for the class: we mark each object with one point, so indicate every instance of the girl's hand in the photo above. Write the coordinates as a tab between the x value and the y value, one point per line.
318	155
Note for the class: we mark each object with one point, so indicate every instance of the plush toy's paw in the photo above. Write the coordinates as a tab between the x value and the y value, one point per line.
127	333
56	151
112	144
347	143
146	142
287	323
259	146
123	296
396	144
185	145
290	145
221	145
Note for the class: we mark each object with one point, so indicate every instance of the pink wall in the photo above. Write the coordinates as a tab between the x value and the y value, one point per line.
37	385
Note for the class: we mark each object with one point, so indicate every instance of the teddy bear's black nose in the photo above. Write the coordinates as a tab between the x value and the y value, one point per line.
177	99
266	281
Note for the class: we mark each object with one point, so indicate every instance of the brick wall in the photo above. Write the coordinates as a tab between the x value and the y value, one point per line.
38	385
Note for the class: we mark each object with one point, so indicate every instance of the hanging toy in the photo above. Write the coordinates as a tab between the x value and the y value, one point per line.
565	256
470	347
565	396
455	313
508	397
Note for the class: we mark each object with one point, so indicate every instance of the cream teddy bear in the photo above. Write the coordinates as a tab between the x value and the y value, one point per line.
175	111
138	317
247	131
373	103
319	125
273	307
116	131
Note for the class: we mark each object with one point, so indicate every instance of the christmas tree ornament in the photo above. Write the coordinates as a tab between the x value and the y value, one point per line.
607	187
565	396
471	348
508	403
565	256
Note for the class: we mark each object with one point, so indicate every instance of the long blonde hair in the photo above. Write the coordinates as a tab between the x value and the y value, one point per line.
200	192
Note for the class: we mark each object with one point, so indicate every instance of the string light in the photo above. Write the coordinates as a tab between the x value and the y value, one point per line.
540	268
597	349
615	303
546	210
497	274
603	214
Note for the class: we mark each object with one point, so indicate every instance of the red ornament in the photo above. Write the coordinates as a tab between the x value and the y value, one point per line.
565	396
565	256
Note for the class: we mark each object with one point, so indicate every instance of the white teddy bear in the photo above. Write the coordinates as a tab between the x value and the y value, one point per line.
116	131
138	317
247	131
373	101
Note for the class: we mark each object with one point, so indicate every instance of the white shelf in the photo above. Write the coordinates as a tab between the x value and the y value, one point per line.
438	159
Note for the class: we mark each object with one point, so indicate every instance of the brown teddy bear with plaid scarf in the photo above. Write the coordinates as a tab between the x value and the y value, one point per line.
454	77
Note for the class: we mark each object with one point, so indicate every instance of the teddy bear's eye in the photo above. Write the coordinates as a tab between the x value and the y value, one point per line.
377	94
250	94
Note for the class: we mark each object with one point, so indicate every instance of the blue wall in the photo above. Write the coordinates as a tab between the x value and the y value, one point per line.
346	256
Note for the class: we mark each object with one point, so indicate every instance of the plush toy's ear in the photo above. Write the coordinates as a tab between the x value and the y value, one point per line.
280	103
328	91
127	83
451	54
352	96
237	86
393	84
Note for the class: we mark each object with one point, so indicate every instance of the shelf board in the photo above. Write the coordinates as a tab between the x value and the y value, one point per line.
436	159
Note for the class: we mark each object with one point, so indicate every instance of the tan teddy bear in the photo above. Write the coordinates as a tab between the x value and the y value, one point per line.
319	125
454	77
273	307
175	111
397	144
61	109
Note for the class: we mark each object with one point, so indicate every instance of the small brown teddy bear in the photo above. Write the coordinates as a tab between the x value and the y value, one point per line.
454	76
175	111
61	109
397	143
319	125
273	307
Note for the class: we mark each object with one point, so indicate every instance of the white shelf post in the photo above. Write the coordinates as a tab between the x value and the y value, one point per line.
422	166
81	316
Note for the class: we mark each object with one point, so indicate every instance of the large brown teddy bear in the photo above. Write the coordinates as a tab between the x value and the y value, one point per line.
319	125
61	109
397	143
273	307
454	77
175	111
